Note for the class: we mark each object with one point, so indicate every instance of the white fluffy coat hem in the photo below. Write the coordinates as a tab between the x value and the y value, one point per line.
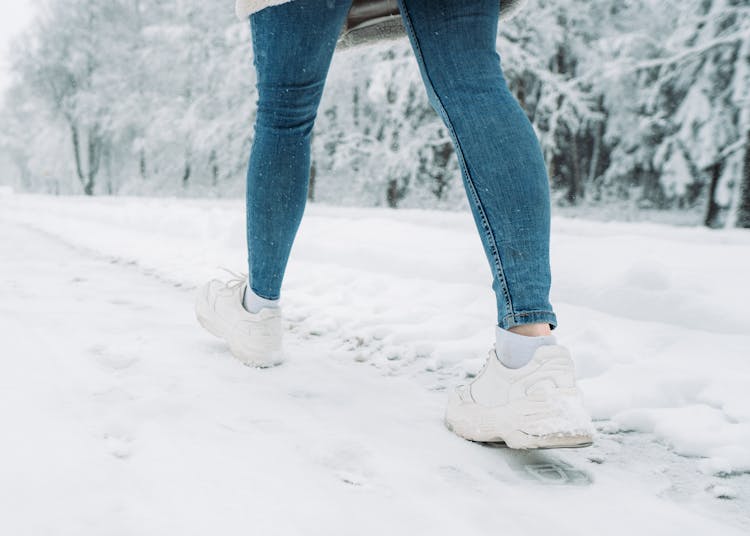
245	8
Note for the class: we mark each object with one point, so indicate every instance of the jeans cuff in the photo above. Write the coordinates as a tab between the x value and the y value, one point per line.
528	317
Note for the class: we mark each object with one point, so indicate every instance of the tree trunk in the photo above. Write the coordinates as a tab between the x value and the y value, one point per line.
395	192
712	212
311	183
186	173
442	155
596	151
75	138
575	186
743	210
355	106
107	159
142	163
214	162
521	93
95	145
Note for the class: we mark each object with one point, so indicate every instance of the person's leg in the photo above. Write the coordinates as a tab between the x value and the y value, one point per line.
293	44
501	162
526	394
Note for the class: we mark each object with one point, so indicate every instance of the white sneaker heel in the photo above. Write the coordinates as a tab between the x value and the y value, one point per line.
253	338
536	406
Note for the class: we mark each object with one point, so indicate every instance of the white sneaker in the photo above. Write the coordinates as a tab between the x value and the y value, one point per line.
535	406
253	338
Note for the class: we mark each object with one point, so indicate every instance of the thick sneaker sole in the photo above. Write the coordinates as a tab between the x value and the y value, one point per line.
246	354
551	420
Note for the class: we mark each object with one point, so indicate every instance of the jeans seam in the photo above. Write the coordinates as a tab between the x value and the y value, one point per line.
529	313
462	161
517	317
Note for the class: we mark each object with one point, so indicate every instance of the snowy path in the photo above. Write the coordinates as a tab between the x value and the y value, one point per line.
120	416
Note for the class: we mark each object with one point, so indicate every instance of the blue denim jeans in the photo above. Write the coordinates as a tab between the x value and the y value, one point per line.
501	162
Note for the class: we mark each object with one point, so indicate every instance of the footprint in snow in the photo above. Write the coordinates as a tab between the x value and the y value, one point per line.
119	445
349	465
454	475
112	360
543	467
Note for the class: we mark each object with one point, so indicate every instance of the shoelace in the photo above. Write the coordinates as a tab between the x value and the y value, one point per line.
487	361
237	279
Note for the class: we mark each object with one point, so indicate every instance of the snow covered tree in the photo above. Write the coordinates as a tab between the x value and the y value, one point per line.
61	66
638	103
681	131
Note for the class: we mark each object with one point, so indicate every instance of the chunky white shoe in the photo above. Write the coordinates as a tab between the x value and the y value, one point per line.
253	338
535	406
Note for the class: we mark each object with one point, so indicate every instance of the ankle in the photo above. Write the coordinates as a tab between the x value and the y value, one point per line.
254	303
532	330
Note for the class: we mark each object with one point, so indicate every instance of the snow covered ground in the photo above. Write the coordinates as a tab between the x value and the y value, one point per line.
120	416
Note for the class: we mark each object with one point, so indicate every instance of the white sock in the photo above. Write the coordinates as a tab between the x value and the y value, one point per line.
515	350
254	303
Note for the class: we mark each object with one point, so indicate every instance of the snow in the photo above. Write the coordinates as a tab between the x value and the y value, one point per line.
121	416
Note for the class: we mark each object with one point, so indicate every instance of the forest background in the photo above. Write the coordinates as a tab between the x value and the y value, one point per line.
642	108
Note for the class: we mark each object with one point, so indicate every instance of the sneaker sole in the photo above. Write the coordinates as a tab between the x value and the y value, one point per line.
538	430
